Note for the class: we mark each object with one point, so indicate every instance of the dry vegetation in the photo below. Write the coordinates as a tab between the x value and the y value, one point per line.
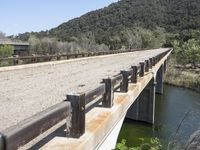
183	76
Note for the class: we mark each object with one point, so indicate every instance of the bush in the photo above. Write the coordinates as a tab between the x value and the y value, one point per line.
187	52
6	51
154	144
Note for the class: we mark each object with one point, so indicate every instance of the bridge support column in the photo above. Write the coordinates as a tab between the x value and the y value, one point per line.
143	109
159	80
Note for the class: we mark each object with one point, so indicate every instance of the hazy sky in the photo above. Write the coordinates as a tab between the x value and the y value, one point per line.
19	16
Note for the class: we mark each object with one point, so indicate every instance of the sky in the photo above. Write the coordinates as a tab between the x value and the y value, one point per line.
19	16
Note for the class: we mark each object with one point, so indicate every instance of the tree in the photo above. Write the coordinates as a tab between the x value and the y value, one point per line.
192	50
2	36
188	52
35	45
6	51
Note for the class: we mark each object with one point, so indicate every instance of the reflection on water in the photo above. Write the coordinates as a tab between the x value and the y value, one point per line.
177	117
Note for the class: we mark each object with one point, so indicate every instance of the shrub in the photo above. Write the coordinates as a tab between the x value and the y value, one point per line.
154	144
6	51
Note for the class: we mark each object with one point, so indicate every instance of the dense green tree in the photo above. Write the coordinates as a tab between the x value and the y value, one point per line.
188	52
192	50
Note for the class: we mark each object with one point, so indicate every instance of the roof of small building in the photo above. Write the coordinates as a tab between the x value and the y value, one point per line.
9	42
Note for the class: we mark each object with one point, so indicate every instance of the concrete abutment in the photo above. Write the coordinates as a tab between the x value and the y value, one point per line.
143	109
159	79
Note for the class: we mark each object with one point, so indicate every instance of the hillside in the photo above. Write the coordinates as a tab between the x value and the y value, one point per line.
173	15
108	25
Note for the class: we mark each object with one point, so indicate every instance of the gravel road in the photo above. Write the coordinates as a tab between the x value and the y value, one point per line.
24	92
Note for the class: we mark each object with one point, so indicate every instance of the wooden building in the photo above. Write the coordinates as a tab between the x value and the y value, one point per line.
20	48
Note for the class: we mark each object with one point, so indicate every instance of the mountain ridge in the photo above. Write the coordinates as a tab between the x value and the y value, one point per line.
174	16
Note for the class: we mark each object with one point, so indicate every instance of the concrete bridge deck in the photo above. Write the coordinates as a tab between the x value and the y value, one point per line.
26	90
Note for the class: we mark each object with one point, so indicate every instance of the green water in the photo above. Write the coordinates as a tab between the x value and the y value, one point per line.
171	108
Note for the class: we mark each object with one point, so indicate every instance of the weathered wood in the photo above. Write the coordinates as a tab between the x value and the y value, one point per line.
134	75
150	63
116	80
92	95
124	83
2	142
93	104
146	65
142	69
32	127
15	61
153	61
109	93
77	127
58	57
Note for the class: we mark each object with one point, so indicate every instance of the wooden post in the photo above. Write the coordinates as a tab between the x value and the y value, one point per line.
157	59
2	142
142	69
150	63
108	96
147	66
134	75
124	83
33	59
153	61
15	61
68	56
58	57
77	127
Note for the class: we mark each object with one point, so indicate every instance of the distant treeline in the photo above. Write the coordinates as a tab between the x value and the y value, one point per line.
126	24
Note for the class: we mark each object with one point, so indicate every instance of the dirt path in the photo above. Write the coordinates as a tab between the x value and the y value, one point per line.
24	92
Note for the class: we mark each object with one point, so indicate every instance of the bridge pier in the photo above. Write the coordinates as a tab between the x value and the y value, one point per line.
143	109
159	80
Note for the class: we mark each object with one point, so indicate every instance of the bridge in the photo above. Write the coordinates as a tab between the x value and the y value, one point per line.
101	91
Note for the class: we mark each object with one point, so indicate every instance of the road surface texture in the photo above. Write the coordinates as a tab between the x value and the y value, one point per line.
25	92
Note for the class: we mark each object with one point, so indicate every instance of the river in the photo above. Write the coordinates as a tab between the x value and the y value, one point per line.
177	116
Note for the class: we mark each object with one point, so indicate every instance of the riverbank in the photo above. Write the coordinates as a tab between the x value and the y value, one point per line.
173	125
186	77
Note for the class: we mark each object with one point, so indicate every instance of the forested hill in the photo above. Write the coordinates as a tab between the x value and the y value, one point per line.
117	16
171	14
106	24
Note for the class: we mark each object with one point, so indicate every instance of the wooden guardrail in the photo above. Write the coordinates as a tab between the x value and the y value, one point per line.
10	61
74	108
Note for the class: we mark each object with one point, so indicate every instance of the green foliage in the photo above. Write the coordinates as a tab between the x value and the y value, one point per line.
188	52
113	25
154	144
6	51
